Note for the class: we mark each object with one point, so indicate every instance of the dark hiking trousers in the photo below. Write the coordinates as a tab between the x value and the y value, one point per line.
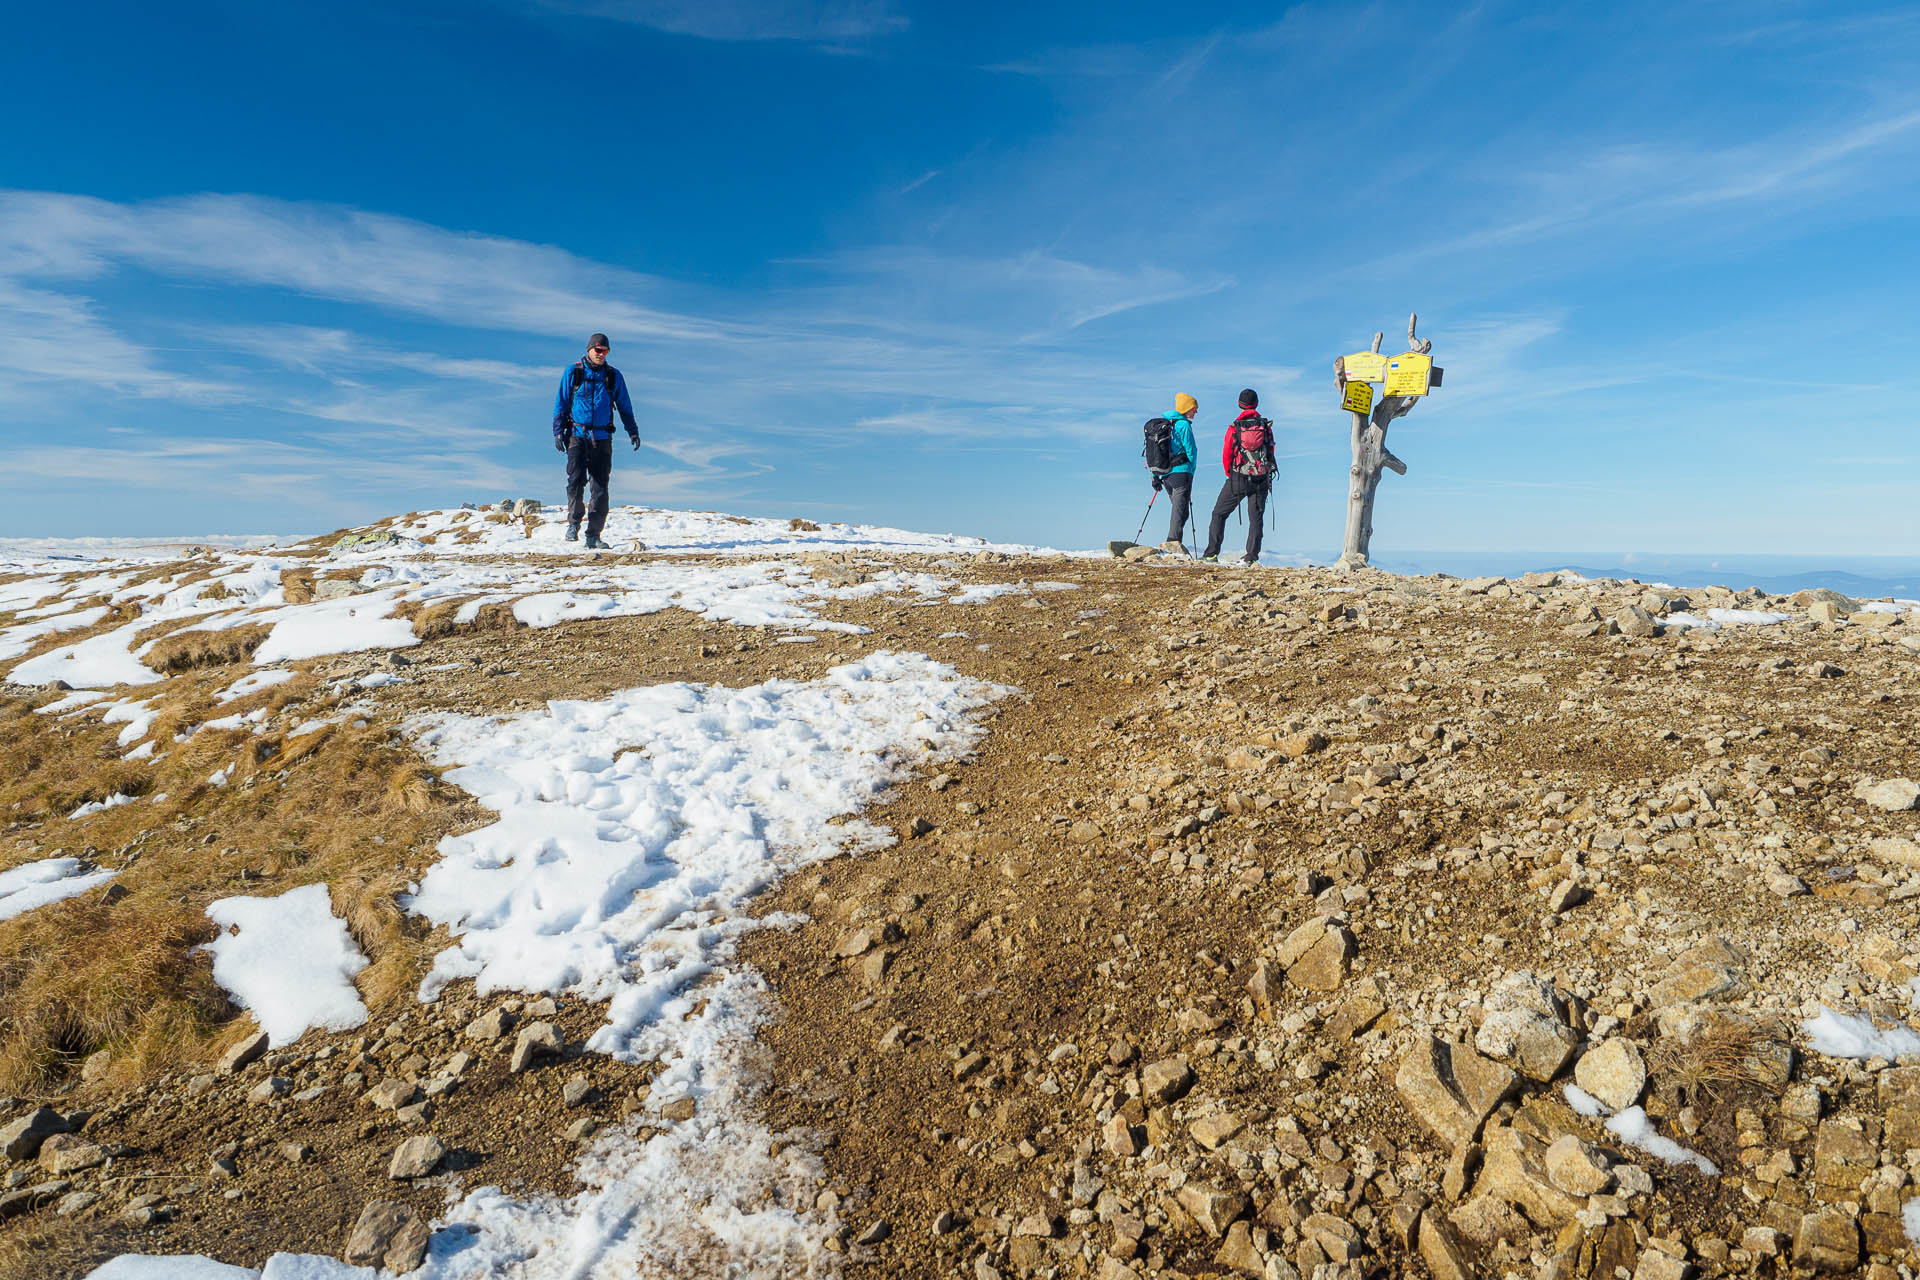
1236	488
1179	487
588	460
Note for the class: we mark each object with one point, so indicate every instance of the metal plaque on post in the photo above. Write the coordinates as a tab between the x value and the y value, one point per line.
1364	366
1358	398
1408	374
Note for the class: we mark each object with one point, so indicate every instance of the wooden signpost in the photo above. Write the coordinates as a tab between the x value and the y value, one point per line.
1405	378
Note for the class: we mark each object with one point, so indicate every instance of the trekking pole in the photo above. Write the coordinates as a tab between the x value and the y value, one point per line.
1143	519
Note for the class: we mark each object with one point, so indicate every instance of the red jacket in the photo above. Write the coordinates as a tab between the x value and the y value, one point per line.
1227	447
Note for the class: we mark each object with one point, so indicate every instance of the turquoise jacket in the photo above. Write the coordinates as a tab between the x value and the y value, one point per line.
1182	443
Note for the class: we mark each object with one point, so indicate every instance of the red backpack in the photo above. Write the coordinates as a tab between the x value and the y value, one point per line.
1253	448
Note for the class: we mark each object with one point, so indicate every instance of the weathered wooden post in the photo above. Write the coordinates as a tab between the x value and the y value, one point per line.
1405	379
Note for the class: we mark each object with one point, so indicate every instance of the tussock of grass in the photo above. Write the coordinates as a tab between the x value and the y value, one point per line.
1724	1055
188	650
81	974
436	620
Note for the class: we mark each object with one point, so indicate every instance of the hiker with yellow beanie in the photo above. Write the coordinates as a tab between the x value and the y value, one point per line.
1177	478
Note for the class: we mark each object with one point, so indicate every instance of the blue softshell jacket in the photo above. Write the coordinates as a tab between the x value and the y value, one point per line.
1182	443
601	391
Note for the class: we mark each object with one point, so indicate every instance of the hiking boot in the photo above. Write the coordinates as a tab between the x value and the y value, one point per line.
594	544
1249	561
1209	559
573	533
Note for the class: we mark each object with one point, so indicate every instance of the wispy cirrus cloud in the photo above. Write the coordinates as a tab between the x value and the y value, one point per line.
734	20
327	251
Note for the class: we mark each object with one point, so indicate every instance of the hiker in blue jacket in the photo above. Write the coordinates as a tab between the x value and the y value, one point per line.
590	391
1178	481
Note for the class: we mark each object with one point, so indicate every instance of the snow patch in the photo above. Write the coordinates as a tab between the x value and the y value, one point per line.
289	960
1845	1035
1633	1128
1746	617
101	806
632	832
186	1266
35	884
253	683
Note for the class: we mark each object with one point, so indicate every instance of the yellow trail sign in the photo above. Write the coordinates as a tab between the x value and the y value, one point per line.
1364	366
1359	397
1407	374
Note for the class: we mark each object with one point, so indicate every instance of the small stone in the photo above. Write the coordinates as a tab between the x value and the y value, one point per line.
76	1202
490	1025
875	1233
269	1089
1783	884
1827	1240
1239	1253
1613	1072
64	1153
1657	1264
391	1095
243	1053
95	1068
1212	1132
1117	1137
578	1089
534	1039
1443	1252
1324	966
1577	1168
294	1152
388	1234
1167	1080
1213	1209
680	1109
1038	1225
1895	795
417	1157
582	1129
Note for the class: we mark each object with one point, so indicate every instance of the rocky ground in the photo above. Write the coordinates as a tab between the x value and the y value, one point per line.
1263	936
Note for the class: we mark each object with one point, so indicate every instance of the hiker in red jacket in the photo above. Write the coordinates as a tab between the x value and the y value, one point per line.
1247	458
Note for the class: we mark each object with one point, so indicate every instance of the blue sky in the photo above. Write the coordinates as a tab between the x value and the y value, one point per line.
294	266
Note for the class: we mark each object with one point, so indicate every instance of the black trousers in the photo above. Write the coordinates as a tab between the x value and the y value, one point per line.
1179	487
588	461
1237	488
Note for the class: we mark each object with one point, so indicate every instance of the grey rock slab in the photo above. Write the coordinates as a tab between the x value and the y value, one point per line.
1451	1089
21	1139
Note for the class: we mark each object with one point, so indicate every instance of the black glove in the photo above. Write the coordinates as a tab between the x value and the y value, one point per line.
1156	484
635	438
562	440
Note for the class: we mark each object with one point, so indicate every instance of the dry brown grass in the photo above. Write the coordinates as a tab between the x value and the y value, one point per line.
188	650
50	1246
1724	1055
436	620
80	975
352	807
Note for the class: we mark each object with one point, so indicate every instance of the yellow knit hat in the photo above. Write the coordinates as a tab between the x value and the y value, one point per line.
1185	405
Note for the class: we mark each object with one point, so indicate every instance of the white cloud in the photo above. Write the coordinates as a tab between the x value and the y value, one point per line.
748	19
325	251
